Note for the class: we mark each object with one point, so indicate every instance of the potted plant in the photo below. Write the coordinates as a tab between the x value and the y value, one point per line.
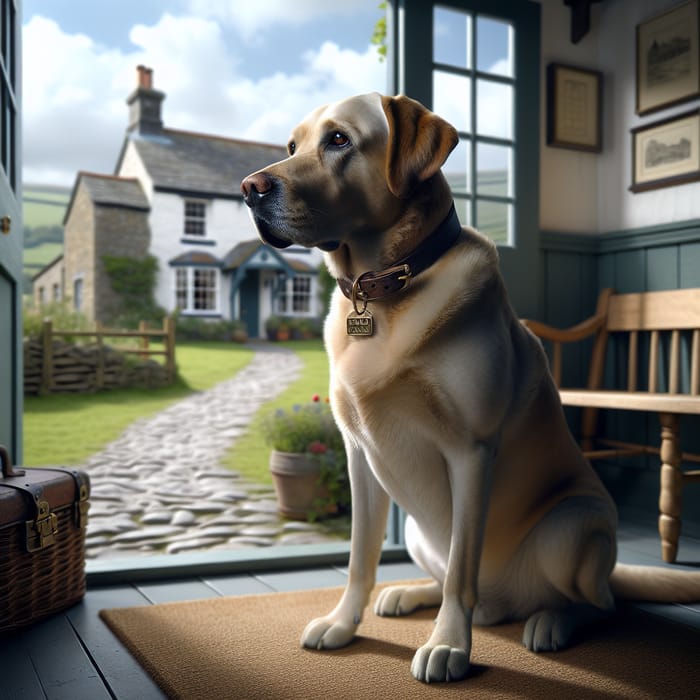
308	462
277	328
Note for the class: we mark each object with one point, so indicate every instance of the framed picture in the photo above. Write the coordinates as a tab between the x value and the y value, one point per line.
574	107
668	59
666	153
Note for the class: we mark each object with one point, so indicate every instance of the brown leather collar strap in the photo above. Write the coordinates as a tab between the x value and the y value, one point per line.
377	285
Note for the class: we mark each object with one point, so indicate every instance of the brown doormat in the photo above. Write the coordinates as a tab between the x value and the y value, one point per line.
247	647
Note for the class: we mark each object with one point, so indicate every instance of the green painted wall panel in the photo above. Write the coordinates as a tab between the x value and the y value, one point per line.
654	258
661	268
690	265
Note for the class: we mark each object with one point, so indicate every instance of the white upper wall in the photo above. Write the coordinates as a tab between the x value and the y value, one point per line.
587	192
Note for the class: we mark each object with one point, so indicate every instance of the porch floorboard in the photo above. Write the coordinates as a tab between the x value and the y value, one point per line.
74	656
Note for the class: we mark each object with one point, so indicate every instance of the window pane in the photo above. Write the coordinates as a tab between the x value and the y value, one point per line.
494	109
451	37
494	220
494	47
457	168
301	286
494	165
463	208
451	98
181	288
195	218
204	290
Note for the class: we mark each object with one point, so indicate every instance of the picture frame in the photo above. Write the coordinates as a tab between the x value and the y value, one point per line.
668	58
574	108
666	153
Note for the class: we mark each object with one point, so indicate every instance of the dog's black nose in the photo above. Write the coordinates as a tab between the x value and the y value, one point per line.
255	187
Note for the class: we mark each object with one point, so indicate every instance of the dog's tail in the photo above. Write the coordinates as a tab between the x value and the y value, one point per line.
655	584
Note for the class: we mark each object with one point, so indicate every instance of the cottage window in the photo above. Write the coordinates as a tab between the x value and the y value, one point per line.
195	218
56	292
197	289
78	295
295	297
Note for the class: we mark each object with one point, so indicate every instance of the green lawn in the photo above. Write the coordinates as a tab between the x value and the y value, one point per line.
65	429
68	428
250	454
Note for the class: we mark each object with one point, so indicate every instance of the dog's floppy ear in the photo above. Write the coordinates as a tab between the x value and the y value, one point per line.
419	143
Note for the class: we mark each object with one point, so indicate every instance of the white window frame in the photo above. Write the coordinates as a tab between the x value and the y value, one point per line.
192	222
291	297
189	274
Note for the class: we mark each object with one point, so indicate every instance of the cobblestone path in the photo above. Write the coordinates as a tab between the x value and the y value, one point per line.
158	487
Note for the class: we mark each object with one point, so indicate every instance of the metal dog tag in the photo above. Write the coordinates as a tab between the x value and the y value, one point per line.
361	324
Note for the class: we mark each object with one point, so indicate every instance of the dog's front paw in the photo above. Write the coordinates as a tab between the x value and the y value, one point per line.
442	663
327	633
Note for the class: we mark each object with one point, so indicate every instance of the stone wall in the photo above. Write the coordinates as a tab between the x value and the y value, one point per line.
118	232
86	368
79	252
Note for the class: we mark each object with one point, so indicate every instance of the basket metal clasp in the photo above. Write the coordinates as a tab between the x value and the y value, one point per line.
41	533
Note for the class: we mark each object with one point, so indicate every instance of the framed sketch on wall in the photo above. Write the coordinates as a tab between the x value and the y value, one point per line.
666	152
668	58
574	107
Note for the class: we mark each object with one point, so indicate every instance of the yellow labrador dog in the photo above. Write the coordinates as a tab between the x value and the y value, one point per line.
443	397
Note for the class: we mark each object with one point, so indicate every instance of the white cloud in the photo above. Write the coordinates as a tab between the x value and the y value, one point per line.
272	106
75	113
251	17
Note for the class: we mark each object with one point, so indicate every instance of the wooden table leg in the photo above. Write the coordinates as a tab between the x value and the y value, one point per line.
670	498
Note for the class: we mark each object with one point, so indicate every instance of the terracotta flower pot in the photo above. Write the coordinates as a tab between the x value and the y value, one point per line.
296	478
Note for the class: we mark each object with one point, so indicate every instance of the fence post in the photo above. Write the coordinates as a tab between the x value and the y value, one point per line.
143	327
169	339
100	369
46	357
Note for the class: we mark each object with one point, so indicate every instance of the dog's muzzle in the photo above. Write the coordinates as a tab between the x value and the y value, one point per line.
257	190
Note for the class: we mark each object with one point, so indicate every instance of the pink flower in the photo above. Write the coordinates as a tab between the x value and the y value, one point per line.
317	448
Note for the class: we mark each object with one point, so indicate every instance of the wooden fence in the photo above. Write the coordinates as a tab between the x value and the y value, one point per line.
53	356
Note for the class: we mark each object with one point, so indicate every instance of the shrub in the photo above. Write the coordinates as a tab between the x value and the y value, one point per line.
61	314
189	328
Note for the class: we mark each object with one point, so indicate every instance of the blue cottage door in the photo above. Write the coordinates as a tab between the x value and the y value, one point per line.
249	299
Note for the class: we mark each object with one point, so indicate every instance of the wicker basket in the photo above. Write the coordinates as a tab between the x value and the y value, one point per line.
43	515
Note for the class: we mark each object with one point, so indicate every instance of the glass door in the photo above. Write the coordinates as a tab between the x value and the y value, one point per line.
11	235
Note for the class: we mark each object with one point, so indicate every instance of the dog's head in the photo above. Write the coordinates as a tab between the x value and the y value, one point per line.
352	167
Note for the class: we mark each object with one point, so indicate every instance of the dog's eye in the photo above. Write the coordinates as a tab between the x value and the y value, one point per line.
291	147
339	139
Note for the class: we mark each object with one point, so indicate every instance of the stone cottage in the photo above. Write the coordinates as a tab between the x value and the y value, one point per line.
175	195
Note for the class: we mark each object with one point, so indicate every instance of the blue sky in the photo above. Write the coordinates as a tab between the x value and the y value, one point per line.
239	68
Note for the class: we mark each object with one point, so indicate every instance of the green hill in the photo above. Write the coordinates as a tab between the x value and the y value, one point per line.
44	207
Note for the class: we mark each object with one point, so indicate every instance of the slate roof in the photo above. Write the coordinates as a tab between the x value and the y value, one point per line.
115	191
195	257
110	190
186	162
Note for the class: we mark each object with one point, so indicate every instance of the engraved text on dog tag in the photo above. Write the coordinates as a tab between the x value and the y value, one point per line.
361	324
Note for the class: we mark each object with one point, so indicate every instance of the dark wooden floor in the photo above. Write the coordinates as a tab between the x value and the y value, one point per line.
73	656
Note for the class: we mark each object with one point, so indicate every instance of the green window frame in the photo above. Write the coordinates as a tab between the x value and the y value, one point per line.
507	210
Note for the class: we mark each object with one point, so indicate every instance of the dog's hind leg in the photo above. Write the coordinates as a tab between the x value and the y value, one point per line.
403	600
575	551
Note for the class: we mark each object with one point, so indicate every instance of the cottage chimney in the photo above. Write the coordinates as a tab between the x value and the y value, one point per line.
145	104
